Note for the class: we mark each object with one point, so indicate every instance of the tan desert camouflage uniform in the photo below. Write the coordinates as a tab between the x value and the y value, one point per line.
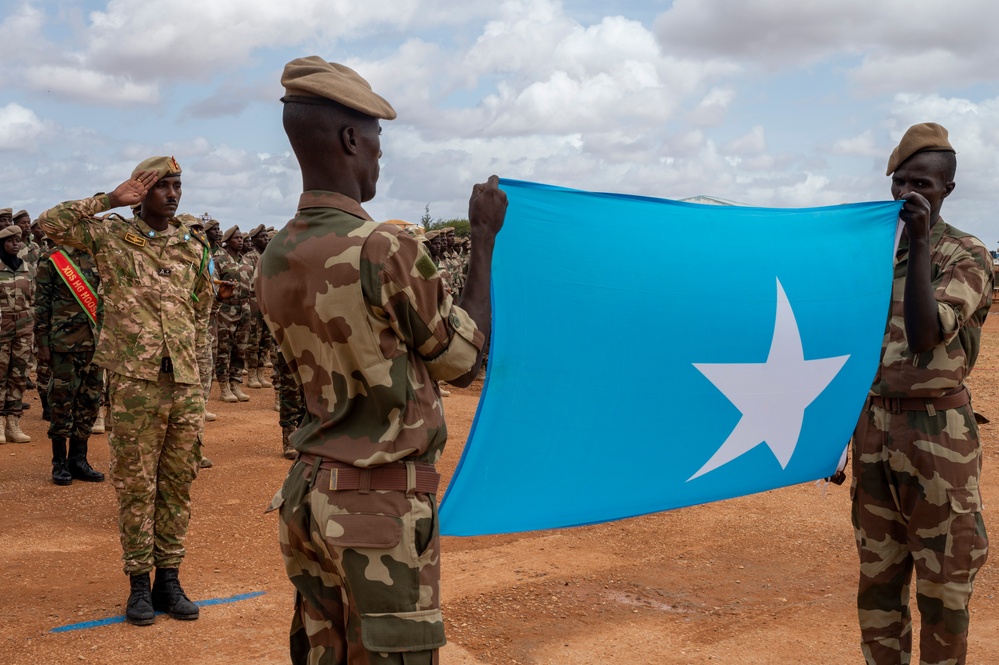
916	500
359	311
156	306
233	315
17	288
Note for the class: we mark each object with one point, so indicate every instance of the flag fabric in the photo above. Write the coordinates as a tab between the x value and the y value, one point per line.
650	354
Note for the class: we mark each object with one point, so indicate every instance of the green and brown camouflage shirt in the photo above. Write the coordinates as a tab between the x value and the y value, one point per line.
961	274
61	323
17	288
157	291
361	315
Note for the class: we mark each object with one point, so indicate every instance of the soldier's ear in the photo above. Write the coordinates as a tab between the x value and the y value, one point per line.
348	139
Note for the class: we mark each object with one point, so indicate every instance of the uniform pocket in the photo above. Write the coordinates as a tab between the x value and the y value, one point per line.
403	632
364	531
967	544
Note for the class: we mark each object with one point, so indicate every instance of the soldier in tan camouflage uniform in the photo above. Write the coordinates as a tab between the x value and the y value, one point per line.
916	450
17	286
157	296
361	316
233	317
259	347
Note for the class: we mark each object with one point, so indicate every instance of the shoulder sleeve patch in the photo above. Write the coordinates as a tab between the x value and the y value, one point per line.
426	266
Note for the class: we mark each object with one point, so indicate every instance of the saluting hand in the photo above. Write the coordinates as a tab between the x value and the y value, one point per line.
133	190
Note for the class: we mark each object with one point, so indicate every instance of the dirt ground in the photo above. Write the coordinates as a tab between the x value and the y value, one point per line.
762	579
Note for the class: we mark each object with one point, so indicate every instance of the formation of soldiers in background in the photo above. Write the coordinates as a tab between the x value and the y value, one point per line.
45	329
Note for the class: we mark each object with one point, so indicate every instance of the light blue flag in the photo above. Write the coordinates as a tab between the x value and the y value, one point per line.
649	354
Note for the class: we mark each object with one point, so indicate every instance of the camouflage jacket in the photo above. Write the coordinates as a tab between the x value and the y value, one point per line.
31	252
360	314
17	288
61	323
157	291
961	274
230	269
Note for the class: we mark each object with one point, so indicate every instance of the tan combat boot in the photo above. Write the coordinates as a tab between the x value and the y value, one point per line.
253	379
12	432
277	401
98	426
227	394
210	417
3	426
286	449
264	381
238	391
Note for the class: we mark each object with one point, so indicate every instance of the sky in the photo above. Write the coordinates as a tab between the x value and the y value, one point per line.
764	102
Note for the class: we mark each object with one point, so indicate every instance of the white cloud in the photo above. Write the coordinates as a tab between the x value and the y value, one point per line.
20	128
90	86
913	45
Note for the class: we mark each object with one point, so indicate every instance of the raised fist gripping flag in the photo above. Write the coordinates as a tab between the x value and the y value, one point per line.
649	354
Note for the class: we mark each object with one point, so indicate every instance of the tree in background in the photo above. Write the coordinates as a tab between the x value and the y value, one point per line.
461	226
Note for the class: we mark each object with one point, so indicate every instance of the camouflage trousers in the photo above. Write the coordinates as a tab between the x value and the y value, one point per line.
917	506
15	352
366	570
261	342
233	339
291	400
74	394
155	454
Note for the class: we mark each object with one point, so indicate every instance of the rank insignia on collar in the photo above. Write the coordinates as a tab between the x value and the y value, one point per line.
135	239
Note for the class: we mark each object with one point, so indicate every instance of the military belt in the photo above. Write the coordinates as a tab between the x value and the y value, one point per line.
16	316
928	404
409	477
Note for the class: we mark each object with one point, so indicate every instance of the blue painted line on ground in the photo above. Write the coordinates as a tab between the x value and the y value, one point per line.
121	618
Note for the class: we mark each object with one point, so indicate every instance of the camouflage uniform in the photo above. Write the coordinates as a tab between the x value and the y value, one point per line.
157	295
17	289
915	491
61	325
359	311
233	316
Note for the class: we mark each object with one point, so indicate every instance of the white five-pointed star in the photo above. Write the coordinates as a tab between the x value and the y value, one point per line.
771	396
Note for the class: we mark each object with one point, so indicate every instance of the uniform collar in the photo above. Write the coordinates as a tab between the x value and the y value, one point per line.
317	198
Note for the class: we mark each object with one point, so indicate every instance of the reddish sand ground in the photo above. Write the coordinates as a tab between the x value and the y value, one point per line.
762	579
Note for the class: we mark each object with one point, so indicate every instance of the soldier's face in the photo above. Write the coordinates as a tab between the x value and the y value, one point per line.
450	240
922	173
235	241
435	246
247	244
260	241
163	199
37	233
12	245
213	234
5	222
25	224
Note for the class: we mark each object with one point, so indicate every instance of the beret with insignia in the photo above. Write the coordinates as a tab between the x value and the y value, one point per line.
163	166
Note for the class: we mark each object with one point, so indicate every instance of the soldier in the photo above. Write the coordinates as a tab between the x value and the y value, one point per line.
233	317
68	315
291	406
6	217
157	296
916	450
17	286
361	316
259	347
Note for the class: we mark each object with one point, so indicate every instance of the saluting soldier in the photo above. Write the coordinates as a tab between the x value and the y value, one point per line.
157	296
68	315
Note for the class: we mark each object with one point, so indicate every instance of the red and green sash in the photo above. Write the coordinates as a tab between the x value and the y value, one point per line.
77	284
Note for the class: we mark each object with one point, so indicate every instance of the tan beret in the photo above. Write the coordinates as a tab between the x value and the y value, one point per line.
163	166
211	224
314	77
8	231
255	231
228	234
924	137
21	213
189	220
430	235
447	229
6	212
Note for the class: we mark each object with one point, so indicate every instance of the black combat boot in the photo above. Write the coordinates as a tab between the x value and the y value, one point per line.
78	464
139	610
60	474
170	598
45	406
